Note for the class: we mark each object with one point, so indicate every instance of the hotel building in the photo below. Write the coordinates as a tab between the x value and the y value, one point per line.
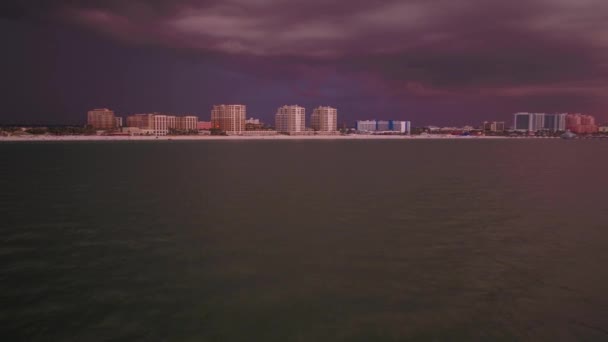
366	125
157	124
386	126
493	126
187	123
534	122
324	119
101	118
229	118
581	124
290	119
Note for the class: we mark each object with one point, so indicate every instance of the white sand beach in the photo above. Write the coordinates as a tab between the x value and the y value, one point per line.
51	138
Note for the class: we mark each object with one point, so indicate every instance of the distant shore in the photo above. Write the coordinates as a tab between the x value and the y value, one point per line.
240	137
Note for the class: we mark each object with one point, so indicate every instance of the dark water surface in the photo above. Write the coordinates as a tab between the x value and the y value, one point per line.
304	241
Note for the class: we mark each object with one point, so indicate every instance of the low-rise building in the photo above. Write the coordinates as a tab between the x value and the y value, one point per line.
493	126
204	125
366	125
384	126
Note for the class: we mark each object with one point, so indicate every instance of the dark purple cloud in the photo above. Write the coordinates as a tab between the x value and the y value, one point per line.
471	59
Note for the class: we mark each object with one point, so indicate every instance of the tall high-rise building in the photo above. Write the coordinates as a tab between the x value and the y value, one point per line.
555	122
101	118
143	121
581	124
290	119
187	123
404	127
534	122
527	122
229	118
324	119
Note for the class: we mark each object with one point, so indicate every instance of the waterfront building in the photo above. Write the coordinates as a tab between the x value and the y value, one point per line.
404	127
142	121
229	118
581	124
101	118
555	122
118	121
204	125
493	126
324	119
252	124
290	119
525	122
366	125
160	124
383	125
156	123
187	123
603	128
171	122
534	122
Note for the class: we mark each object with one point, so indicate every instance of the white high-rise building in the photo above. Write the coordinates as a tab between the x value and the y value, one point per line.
403	127
290	119
366	125
160	123
229	118
534	122
324	119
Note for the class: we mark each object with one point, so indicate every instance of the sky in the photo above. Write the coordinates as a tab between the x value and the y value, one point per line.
443	62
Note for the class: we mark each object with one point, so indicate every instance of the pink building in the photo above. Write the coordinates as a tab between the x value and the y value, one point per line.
581	124
203	125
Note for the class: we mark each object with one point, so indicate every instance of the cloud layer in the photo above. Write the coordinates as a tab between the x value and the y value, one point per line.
402	49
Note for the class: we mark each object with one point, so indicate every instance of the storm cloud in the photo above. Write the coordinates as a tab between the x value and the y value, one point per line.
472	53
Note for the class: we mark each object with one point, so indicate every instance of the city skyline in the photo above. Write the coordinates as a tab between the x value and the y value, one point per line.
449	63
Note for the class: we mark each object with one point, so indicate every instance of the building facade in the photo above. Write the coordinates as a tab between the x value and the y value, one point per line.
535	122
493	126
581	124
187	123
290	119
204	125
386	126
229	118
383	125
366	125
156	123
101	118
324	119
404	127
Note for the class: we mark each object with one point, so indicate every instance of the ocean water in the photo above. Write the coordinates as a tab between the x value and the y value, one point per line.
477	240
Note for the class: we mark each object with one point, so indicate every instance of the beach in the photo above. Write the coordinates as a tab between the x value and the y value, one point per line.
52	138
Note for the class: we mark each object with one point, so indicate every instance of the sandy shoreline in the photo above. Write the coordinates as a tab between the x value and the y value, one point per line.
243	138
